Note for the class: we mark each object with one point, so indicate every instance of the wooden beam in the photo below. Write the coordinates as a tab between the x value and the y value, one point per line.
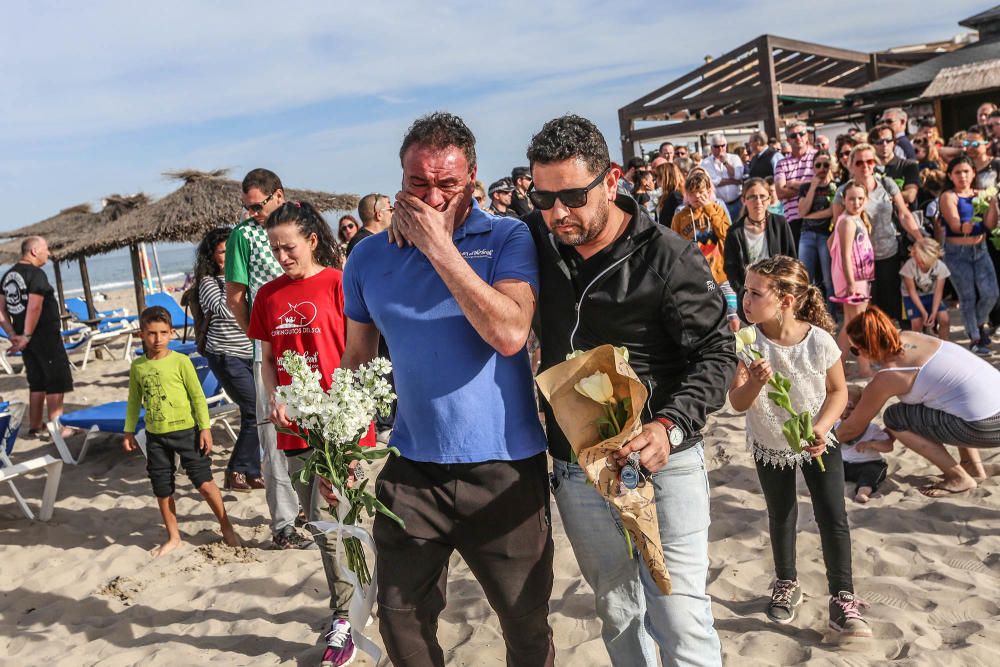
702	101
88	296
140	294
817	49
872	67
59	287
768	81
829	75
626	125
819	92
711	83
686	127
690	76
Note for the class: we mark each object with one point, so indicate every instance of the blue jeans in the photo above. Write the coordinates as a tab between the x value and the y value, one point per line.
235	374
975	281
636	617
816	256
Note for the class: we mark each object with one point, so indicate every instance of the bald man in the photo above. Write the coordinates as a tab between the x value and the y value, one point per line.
29	314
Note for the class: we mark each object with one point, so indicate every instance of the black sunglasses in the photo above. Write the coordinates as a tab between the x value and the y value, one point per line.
883	142
259	206
571	197
796	135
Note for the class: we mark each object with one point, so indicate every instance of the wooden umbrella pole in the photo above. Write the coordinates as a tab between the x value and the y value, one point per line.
140	295
59	287
156	264
88	296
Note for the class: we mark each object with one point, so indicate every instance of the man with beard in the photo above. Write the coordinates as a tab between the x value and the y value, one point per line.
455	308
610	275
905	173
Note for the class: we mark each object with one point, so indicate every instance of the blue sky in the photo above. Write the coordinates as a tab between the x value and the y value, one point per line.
102	97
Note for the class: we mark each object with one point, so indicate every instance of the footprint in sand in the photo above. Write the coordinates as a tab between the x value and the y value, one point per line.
963	611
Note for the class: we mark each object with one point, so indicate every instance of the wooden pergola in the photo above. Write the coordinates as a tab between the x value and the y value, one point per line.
764	81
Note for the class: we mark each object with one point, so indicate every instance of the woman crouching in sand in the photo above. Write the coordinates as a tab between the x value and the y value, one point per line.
946	395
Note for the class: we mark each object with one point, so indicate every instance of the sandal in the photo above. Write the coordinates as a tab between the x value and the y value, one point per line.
40	433
940	491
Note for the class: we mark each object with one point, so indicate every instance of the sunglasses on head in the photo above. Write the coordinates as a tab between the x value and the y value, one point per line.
571	197
259	206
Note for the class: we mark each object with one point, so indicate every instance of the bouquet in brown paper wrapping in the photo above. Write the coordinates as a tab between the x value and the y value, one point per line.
588	407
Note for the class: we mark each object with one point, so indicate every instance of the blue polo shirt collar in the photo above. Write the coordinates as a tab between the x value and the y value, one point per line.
477	222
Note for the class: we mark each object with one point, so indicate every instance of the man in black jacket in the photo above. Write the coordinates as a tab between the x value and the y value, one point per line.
609	274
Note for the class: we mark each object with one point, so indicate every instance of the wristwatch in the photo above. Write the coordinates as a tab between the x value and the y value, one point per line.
675	434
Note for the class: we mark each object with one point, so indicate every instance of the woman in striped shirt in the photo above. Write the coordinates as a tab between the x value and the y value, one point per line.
230	356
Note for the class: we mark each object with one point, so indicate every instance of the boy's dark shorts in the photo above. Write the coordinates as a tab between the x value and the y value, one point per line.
162	450
47	365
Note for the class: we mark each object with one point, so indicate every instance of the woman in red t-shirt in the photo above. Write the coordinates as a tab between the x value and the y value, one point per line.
302	310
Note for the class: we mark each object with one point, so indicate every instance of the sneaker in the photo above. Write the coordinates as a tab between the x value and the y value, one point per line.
984	335
980	349
785	597
289	538
236	481
845	615
340	647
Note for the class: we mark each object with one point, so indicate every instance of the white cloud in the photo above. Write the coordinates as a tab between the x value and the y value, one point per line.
76	74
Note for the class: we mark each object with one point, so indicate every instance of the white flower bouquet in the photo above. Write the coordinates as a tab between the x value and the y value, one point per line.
333	422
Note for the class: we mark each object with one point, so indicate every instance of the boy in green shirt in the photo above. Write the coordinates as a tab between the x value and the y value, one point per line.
166	383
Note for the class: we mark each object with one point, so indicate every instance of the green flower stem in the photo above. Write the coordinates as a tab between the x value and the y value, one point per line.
609	410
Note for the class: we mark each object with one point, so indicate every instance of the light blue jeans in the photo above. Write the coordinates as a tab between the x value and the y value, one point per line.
636	618
816	256
975	281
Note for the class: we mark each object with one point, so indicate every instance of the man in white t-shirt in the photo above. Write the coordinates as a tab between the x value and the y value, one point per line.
726	172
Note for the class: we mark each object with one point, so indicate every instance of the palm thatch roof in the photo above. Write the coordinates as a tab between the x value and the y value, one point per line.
10	252
59	230
963	79
204	201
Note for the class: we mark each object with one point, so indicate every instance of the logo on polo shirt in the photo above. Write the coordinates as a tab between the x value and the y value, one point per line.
481	253
296	319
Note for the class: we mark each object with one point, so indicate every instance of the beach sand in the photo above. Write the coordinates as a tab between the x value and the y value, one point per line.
82	589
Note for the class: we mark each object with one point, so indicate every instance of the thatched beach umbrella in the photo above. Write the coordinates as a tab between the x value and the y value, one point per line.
65	227
204	201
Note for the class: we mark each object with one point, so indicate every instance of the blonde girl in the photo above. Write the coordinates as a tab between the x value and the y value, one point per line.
852	261
793	336
923	278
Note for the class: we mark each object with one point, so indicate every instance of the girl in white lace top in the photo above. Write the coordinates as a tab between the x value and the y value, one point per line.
793	336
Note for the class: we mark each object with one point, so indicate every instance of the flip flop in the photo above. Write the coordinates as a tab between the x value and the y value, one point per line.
939	491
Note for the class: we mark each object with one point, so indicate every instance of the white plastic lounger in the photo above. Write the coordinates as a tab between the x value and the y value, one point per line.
10	471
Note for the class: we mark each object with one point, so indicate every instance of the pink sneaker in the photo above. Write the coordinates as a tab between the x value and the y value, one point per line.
340	649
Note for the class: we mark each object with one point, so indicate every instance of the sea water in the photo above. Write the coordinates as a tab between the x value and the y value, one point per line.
113	271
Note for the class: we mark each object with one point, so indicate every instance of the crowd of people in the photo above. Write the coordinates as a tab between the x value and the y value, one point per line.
803	240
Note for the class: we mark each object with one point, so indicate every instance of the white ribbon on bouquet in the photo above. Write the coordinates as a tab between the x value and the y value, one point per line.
362	597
